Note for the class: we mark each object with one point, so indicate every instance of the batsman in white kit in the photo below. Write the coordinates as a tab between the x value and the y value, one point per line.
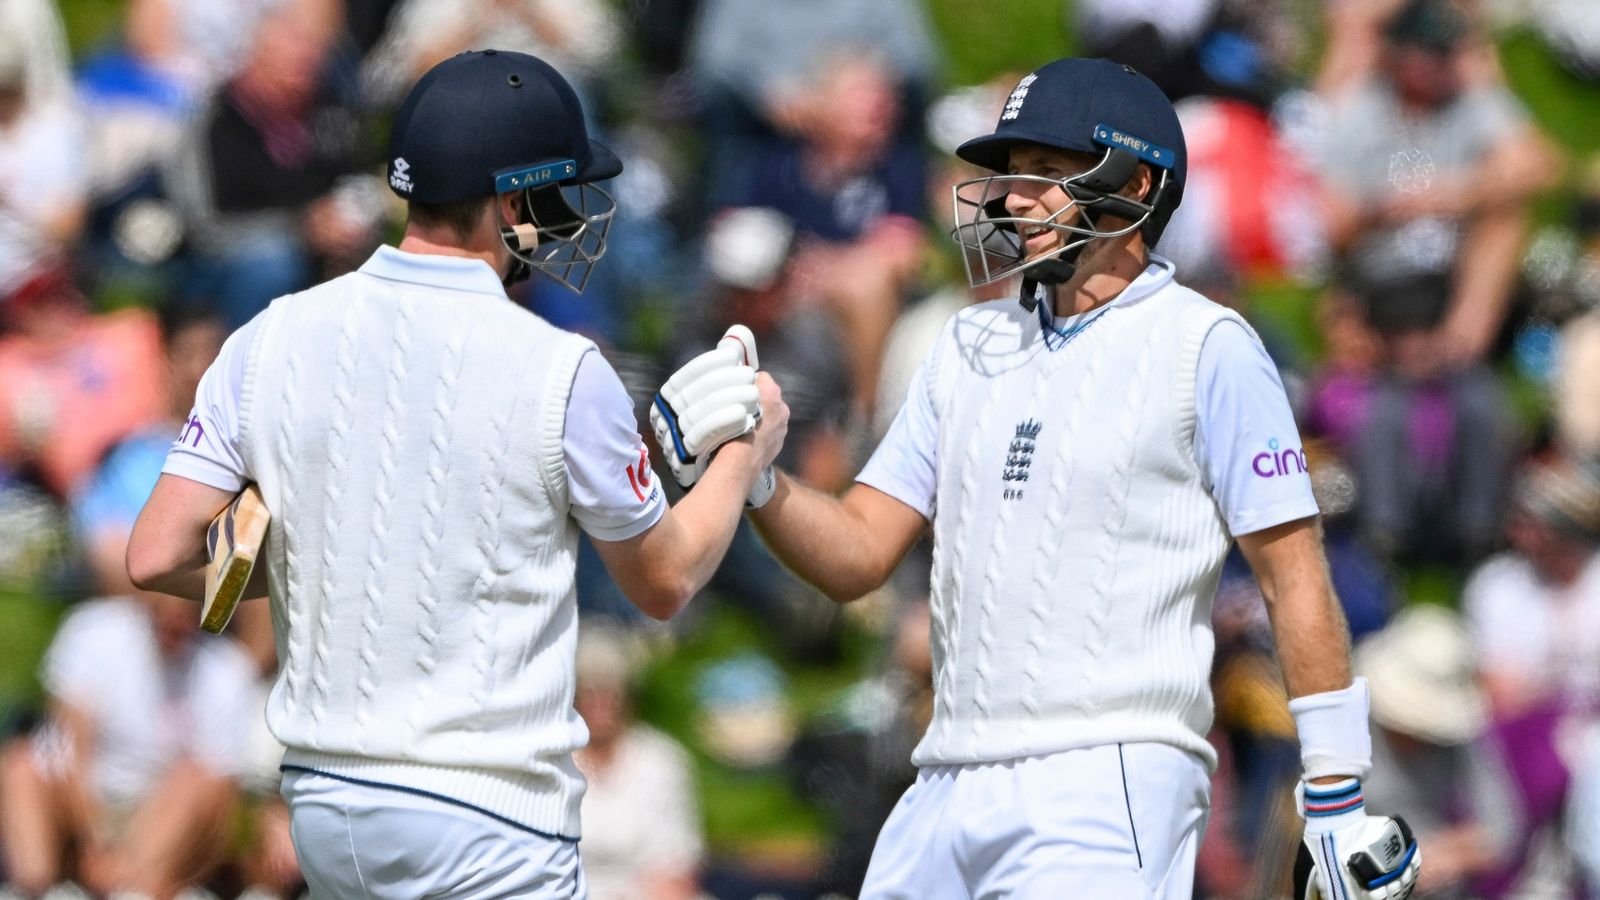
1085	458
428	451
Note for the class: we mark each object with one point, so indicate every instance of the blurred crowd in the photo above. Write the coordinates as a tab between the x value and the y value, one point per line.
1420	255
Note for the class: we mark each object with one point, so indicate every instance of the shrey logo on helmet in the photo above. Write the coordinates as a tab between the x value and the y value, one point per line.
400	175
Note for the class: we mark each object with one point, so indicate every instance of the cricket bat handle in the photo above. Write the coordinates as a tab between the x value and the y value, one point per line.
744	341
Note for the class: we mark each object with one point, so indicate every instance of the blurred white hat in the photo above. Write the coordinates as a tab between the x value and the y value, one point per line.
606	658
747	247
1422	678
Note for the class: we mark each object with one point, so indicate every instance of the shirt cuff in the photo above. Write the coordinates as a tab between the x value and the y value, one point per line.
626	530
1253	520
204	471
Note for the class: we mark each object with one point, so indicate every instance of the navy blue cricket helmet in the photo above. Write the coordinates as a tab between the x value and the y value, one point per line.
493	122
1093	106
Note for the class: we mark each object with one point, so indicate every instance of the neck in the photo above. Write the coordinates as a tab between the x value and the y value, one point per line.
1104	271
418	239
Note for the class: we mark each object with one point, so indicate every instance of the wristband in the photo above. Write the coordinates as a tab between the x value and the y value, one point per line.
761	491
1334	735
1331	807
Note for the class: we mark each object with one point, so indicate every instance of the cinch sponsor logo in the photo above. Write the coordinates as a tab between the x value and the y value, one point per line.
193	431
1274	462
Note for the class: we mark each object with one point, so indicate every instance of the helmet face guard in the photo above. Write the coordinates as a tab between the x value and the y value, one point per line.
991	239
562	227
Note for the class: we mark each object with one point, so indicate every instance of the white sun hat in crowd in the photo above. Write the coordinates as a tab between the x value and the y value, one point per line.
1422	678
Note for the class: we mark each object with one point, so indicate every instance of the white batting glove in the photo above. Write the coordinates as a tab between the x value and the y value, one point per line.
1349	855
710	401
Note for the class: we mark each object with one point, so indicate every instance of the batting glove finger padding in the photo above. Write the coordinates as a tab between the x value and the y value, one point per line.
710	401
1349	855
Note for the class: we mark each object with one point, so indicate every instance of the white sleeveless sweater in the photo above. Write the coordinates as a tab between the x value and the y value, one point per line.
1077	549
408	440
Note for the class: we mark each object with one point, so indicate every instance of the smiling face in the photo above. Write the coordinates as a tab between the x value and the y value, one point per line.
1042	201
1049	203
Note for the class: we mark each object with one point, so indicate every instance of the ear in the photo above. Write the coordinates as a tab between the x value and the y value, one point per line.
1140	185
509	217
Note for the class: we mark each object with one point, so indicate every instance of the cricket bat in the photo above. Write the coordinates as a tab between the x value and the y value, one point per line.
232	544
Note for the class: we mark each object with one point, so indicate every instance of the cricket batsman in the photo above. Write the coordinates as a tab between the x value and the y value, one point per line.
428	451
1085	458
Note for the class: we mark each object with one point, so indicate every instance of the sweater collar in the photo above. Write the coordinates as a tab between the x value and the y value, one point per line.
1156	275
432	270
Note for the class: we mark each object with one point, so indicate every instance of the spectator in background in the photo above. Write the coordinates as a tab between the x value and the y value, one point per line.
72	384
578	37
751	258
109	500
1534	614
130	783
855	761
756	60
643	840
42	171
1432	444
266	179
1430	751
855	191
1535	609
1429	166
1251	200
1158	37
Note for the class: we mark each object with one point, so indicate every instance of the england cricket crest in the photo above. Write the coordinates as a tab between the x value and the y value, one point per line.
1019	458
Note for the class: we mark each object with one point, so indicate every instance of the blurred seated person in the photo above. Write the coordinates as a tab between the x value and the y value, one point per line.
1431	442
854	190
108	502
72	383
43	184
755	60
266	179
130	783
855	760
1430	751
1429	165
1534	614
642	823
1534	610
578	37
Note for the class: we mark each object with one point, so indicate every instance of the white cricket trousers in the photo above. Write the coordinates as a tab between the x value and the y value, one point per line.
1121	822
356	841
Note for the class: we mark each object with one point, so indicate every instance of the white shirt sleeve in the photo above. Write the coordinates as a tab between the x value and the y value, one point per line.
1246	441
905	464
614	493
208	449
